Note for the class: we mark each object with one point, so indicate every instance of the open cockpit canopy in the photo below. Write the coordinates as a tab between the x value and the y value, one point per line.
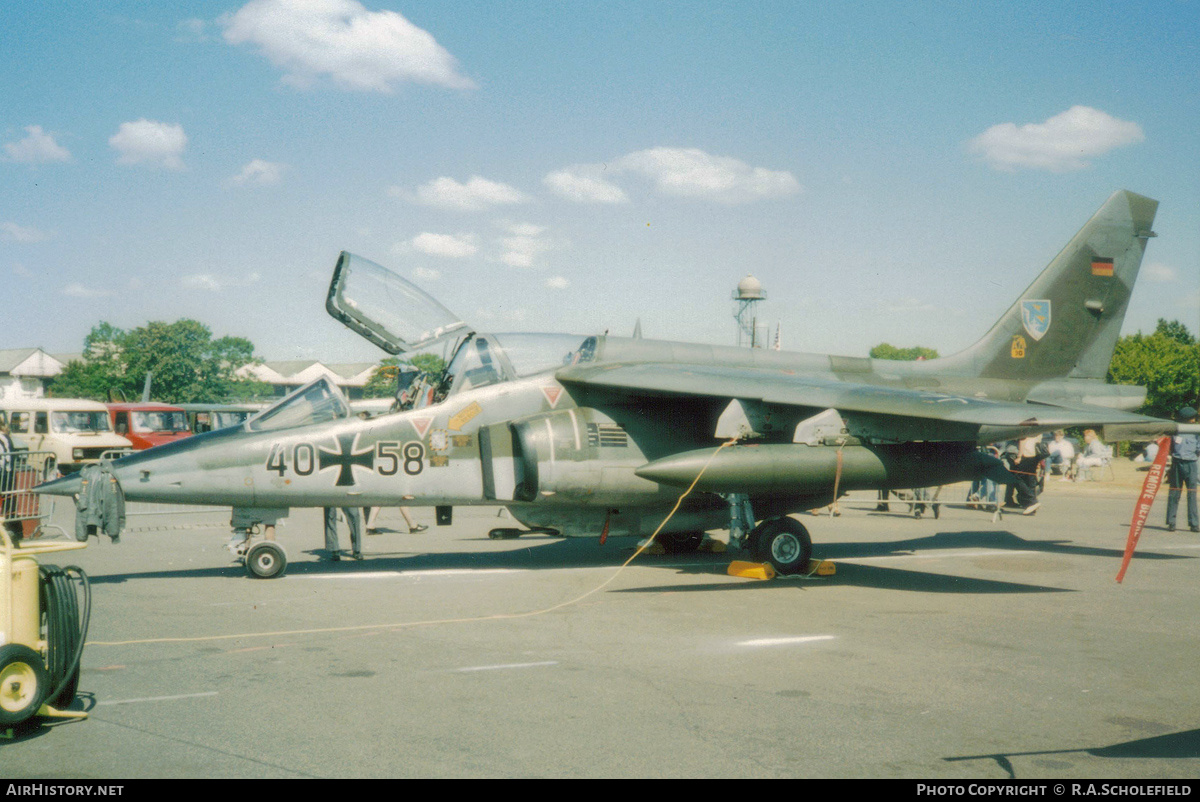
389	311
399	317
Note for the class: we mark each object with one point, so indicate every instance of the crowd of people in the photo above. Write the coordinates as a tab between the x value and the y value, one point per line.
1032	459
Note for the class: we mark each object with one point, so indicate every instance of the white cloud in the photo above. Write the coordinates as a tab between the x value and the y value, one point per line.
359	49
447	245
525	229
38	147
11	232
150	142
77	290
524	244
557	283
475	195
692	173
1159	273
262	173
1063	143
584	183
209	282
202	281
680	172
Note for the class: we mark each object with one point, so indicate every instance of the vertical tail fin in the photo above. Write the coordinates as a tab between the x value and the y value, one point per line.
1067	322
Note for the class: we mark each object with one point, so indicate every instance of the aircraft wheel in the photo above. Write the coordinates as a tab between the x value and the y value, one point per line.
752	540
23	681
505	534
265	560
680	542
786	544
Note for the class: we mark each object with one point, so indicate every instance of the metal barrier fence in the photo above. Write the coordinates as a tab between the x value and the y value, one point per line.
23	513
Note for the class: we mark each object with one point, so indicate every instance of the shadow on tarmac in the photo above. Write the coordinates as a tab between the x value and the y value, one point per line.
990	539
1173	746
546	552
886	578
543	552
869	576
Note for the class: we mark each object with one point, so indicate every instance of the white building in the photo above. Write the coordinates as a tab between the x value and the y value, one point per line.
25	372
287	376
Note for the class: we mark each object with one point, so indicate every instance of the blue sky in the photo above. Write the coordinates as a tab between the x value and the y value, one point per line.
890	171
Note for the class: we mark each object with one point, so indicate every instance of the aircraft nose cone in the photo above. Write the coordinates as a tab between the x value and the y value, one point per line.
66	486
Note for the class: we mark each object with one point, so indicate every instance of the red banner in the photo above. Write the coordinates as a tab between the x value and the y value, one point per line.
1142	511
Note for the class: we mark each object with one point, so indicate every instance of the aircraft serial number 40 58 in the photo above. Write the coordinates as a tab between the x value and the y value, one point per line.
586	435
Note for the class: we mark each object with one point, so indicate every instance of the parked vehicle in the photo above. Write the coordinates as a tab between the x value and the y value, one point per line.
148	424
209	417
76	432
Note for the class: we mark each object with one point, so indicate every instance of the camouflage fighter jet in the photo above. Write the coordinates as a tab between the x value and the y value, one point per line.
600	434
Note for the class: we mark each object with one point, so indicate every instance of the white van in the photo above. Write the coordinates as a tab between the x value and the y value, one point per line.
77	431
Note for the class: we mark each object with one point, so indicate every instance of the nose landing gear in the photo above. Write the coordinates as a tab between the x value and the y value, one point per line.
265	559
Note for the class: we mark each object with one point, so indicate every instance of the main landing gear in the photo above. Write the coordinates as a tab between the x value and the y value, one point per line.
783	542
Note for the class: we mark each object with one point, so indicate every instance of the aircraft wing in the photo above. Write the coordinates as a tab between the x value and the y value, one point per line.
886	412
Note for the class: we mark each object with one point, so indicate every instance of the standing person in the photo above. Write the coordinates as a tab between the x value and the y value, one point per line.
982	494
1025	467
354	521
7	483
1185	448
1010	456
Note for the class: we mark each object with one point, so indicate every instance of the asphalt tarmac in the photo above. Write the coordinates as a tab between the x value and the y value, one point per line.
959	647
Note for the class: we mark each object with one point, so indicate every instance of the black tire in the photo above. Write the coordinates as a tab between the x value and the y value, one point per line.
505	534
265	560
785	544
680	542
752	543
66	696
23	683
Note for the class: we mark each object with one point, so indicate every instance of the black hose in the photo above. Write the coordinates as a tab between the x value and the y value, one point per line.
66	628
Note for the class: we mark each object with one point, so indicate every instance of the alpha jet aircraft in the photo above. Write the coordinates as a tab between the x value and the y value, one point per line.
601	434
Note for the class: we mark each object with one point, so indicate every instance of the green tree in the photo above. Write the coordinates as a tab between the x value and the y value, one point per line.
382	383
1166	363
1175	331
887	351
186	363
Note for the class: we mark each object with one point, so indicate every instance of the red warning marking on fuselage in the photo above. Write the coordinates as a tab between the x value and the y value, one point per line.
421	425
552	392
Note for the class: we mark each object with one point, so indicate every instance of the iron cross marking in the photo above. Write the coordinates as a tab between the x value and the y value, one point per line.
346	458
